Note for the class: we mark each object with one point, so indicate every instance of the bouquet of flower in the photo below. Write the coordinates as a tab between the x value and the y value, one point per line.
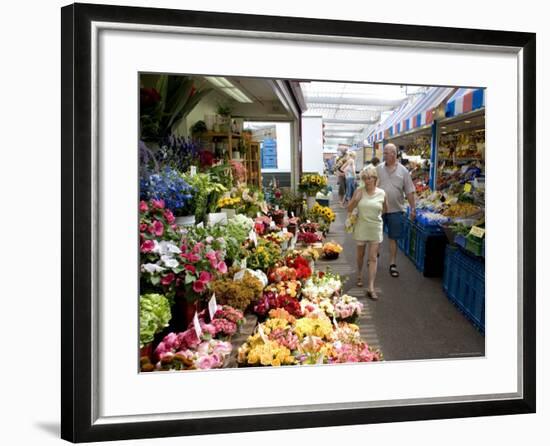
239	227
321	308
309	237
341	353
271	299
347	308
281	313
309	227
322	286
320	327
170	187
207	355
156	223
238	170
259	352
278	237
263	256
331	250
312	350
290	288
310	184
322	213
350	221
238	293
281	273
300	264
228	203
226	321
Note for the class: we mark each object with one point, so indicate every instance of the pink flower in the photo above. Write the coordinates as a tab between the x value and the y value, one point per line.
143	227
211	255
188	339
168	279
183	247
222	267
158	228
143	206
193	258
205	276
206	362
213	263
199	286
190	268
158	204
147	246
197	247
169	216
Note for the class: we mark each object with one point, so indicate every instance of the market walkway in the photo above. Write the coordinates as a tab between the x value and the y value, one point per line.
413	319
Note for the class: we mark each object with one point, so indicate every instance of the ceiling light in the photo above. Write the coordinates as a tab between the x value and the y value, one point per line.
443	127
228	88
455	130
467	122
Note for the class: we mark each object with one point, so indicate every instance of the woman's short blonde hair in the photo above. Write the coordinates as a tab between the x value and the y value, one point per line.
352	154
369	172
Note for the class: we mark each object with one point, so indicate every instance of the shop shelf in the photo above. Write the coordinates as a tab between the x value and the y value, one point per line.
464	284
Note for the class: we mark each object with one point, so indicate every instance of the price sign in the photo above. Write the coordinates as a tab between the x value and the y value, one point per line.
320	359
285	230
272	225
334	322
193	171
276	207
197	326
252	236
292	214
467	187
200	225
258	214
308	221
243	263
262	334
212	306
477	232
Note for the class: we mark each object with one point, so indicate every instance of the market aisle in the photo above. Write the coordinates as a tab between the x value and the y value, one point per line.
413	318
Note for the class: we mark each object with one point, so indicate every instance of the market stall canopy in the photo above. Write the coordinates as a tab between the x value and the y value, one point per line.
413	114
465	100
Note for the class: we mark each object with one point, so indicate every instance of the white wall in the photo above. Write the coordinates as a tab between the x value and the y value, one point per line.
312	144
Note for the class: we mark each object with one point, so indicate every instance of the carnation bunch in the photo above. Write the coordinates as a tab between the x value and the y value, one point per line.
347	308
309	237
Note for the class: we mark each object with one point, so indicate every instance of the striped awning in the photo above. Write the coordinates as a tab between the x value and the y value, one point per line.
464	101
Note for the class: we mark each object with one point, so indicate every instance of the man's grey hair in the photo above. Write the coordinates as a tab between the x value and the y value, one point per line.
391	146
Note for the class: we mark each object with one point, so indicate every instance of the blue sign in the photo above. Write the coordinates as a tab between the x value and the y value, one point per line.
269	153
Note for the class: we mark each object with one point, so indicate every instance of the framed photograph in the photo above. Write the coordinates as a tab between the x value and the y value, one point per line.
235	256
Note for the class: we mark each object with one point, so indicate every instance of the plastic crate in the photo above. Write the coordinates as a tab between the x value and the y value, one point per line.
403	242
430	253
460	240
464	284
411	249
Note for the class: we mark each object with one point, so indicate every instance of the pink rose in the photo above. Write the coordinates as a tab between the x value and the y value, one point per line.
183	247
222	267
205	276
158	204
143	206
213	263
158	228
199	286
211	255
205	362
143	227
169	216
188	339
197	247
168	279
190	268
147	246
193	258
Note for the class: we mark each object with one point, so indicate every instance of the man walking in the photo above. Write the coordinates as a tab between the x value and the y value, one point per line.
396	181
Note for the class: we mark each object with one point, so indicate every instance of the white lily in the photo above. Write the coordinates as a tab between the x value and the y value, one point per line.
152	268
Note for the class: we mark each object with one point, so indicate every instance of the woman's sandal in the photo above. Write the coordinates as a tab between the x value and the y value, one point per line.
359	282
372	294
393	270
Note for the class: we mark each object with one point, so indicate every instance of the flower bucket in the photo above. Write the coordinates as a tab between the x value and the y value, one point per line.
310	200
229	212
187	311
292	228
187	220
146	351
216	218
331	255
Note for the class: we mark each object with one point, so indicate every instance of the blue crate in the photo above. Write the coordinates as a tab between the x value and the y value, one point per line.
464	284
411	248
403	242
430	244
460	240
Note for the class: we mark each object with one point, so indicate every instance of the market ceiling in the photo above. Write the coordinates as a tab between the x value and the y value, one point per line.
351	110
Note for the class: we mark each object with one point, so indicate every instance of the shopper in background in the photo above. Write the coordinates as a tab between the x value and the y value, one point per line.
396	181
341	176
349	172
373	162
371	204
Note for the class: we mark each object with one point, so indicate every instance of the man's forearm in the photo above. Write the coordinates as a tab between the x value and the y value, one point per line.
411	200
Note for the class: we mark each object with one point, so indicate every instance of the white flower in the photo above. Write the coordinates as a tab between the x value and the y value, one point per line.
152	268
168	248
169	261
156	247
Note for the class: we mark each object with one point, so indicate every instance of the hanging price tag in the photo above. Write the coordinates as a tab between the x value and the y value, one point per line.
308	221
262	334
477	232
212	306
467	187
197	326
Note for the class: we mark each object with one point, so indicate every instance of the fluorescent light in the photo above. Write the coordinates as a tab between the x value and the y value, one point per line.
228	88
467	122
216	81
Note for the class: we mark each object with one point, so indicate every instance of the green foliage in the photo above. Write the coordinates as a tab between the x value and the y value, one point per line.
154	316
206	195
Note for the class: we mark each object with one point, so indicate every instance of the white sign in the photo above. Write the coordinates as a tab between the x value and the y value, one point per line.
334	322
200	225
193	171
262	334
212	306
320	359
292	214
272	225
197	326
258	214
285	230
243	263
252	236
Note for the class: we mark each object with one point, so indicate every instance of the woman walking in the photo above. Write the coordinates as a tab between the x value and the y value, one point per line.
349	172
371	203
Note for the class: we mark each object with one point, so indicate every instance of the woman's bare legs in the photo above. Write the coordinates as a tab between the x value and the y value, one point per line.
360	258
372	264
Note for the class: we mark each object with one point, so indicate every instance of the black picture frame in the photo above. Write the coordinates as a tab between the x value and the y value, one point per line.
76	310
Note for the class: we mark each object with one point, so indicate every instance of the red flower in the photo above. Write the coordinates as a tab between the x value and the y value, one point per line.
205	276
143	206
143	227
199	286
147	246
193	258
190	268
148	96
168	279
169	216
158	228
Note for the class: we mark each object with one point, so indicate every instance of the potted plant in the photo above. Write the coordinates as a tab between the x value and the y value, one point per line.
199	128
223	118
228	205
310	184
331	250
154	316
